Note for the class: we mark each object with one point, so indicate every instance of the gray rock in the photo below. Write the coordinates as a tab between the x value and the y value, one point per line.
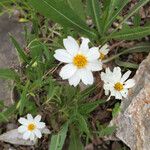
134	120
14	137
8	54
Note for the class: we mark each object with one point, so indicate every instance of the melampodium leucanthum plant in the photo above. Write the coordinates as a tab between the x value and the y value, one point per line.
80	60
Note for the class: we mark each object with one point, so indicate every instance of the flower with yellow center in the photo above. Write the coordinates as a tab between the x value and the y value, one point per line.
80	61
103	52
117	84
31	128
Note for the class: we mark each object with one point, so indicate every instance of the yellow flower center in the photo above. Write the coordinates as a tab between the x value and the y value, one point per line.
80	61
102	56
118	86
31	127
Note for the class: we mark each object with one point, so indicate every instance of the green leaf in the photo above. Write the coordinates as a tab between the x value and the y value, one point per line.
107	131
78	8
23	100
61	13
9	74
57	141
20	51
75	141
89	107
131	34
116	110
83	124
126	64
94	8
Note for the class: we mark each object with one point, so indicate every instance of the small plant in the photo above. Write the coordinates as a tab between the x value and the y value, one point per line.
67	109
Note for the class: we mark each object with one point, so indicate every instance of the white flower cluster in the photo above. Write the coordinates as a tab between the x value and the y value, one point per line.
80	61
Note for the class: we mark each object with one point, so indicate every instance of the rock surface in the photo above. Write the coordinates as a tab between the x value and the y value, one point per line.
14	137
134	121
8	54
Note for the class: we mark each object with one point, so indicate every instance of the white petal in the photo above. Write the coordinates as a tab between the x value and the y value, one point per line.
93	54
26	135
94	66
22	129
124	93
37	118
40	125
125	76
118	95
129	83
117	74
38	133
106	92
29	117
67	71
63	56
87	77
23	121
104	49
84	47
74	80
71	45
32	136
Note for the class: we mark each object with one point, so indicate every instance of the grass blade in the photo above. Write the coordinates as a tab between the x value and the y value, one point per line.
131	34
19	49
94	7
57	141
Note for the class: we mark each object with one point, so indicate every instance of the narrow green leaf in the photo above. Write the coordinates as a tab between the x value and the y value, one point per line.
131	34
116	110
83	124
107	131
89	107
126	64
57	141
23	100
9	74
75	141
78	8
19	49
60	12
94	8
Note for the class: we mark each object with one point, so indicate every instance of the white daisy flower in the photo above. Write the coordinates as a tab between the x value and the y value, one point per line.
31	128
80	61
116	83
103	51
